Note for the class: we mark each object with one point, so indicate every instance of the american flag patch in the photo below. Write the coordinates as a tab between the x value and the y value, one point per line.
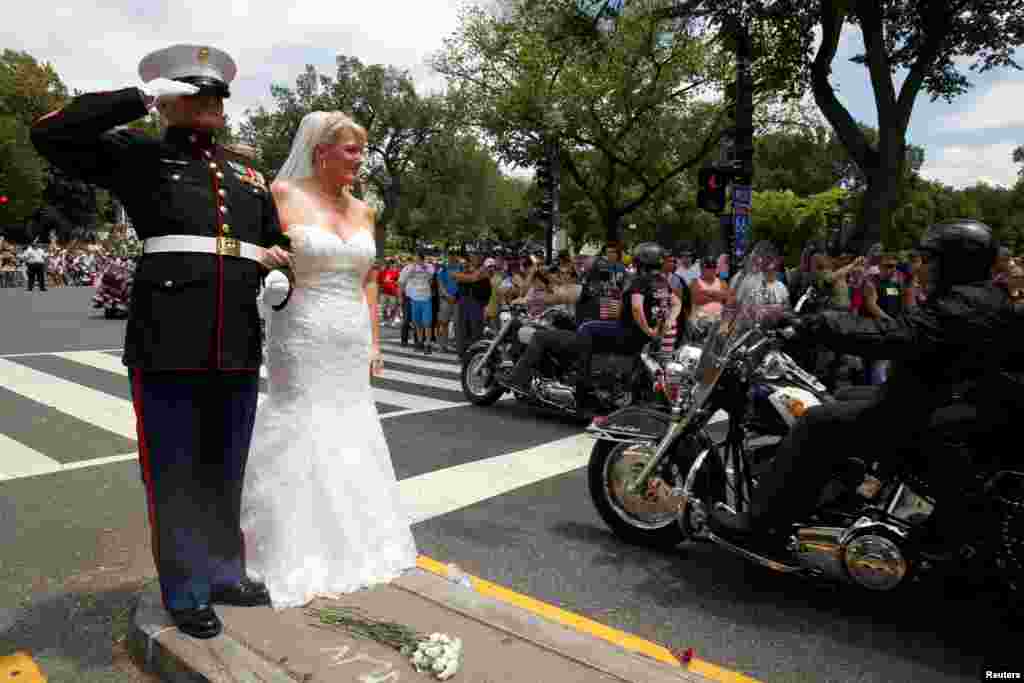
611	305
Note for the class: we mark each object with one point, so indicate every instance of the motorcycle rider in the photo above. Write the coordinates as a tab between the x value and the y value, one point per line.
965	331
647	304
564	342
648	307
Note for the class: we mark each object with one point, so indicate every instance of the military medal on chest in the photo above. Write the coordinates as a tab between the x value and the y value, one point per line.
248	175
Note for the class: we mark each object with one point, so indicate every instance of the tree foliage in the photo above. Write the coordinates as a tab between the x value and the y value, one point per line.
922	43
631	111
27	91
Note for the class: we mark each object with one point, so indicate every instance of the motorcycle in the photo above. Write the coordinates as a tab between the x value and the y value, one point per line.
618	380
114	292
655	476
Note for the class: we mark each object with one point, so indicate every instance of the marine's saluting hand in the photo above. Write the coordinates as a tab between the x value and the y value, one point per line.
162	88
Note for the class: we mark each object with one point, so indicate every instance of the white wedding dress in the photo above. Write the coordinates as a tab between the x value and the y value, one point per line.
321	510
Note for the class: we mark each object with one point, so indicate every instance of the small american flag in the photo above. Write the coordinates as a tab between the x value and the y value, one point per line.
611	304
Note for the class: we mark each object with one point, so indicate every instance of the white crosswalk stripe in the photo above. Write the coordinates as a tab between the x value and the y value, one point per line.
407	392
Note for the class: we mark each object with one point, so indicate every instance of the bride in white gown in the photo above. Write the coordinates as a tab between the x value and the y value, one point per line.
320	507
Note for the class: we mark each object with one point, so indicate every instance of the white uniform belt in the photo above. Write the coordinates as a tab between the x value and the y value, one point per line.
223	246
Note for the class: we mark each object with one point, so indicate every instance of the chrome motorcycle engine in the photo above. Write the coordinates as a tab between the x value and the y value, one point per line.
556	393
869	554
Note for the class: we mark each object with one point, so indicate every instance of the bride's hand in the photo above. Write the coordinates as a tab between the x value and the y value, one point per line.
275	257
376	362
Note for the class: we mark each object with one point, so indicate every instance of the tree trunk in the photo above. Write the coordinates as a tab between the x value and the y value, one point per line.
390	195
611	227
883	193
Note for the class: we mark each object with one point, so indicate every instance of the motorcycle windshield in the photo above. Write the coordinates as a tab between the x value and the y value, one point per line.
740	321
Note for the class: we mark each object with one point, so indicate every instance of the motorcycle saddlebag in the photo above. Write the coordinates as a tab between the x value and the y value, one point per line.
631	422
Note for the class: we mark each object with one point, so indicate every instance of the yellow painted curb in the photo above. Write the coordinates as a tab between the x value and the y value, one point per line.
588	626
21	667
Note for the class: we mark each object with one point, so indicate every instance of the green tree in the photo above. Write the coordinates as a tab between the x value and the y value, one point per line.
922	43
27	91
22	176
789	220
627	107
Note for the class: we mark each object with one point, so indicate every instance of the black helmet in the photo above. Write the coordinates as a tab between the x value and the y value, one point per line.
959	252
648	256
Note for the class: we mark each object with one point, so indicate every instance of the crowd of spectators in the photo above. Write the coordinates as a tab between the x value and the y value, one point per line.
72	264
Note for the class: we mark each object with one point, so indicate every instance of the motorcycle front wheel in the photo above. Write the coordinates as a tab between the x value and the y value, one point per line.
479	384
645	518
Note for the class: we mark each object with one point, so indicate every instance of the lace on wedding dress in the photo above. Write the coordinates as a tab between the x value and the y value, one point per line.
321	510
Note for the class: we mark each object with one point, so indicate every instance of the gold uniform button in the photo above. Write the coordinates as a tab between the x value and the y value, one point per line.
220	176
213	164
222	192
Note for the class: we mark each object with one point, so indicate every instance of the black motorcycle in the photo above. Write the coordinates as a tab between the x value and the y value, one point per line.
655	475
618	380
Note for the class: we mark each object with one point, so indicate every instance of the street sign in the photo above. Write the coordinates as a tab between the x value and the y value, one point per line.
741	226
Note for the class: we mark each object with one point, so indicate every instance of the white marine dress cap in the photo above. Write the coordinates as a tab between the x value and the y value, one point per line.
206	67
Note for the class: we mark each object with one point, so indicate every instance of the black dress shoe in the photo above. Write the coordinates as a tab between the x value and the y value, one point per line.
245	593
201	622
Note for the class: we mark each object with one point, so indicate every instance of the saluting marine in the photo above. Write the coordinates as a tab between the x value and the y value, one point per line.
192	344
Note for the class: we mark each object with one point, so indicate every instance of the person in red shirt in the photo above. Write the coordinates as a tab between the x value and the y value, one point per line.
387	281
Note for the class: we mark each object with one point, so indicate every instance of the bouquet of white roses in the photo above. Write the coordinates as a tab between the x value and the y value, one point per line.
440	654
436	654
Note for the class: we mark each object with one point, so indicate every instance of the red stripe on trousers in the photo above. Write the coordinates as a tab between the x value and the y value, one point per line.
147	470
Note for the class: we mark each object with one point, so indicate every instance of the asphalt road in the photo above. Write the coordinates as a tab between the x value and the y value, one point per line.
75	542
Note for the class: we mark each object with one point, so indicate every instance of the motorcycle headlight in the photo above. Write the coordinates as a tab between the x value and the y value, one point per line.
688	356
674	377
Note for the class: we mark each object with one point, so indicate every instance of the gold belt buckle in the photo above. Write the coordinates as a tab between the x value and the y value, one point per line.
228	246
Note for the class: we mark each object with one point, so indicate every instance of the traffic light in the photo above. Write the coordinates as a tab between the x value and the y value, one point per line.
3	199
711	190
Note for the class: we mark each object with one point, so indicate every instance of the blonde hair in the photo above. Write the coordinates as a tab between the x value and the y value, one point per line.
334	124
317	128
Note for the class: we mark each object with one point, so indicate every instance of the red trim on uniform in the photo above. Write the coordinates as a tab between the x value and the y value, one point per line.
46	116
218	344
144	462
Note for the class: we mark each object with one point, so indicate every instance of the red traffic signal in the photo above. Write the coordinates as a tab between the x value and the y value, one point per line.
3	199
711	190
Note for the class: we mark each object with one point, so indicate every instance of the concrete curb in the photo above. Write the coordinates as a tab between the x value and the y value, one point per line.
161	649
176	658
